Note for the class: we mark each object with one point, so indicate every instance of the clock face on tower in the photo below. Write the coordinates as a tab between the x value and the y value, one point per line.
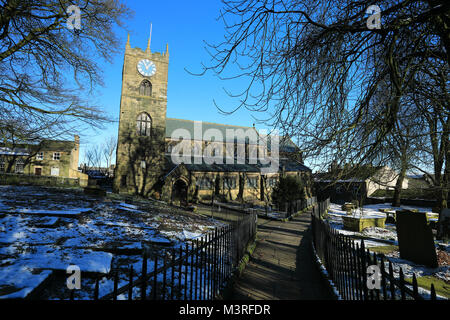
146	68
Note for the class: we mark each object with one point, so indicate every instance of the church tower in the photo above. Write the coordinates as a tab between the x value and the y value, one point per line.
142	120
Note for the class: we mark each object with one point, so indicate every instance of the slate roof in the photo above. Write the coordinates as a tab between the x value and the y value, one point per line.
173	124
57	145
45	145
5	151
286	164
285	143
355	174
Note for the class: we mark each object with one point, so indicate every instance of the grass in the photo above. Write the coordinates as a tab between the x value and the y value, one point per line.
223	215
442	288
384	249
248	253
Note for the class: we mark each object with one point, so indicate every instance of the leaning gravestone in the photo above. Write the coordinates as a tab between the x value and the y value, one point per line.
415	238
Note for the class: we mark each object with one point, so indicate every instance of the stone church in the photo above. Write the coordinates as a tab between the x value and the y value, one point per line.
147	151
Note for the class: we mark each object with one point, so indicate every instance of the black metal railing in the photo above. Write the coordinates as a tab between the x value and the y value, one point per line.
196	270
347	263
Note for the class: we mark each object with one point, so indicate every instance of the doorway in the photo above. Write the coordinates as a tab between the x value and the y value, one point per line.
179	192
38	171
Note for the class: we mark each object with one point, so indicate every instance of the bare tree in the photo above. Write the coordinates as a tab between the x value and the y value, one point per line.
432	99
93	157
321	72
315	66
46	67
109	151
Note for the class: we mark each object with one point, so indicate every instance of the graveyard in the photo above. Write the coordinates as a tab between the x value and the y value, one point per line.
405	235
44	230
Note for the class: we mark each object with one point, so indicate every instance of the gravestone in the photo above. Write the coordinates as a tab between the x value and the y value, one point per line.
444	223
94	190
415	238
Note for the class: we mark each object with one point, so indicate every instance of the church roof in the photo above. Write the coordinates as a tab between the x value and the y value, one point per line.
285	143
285	164
189	125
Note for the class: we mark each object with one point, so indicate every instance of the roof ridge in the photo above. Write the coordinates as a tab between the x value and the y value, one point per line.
215	123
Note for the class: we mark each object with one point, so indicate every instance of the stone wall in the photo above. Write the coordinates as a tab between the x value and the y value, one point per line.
48	181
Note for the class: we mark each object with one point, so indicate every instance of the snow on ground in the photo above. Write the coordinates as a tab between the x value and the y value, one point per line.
373	210
381	233
366	211
336	213
22	280
387	235
45	229
183	235
409	268
276	215
63	212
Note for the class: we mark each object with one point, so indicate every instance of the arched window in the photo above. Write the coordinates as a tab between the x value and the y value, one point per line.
144	124
145	89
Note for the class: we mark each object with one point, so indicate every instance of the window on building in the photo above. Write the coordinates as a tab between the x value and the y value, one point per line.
229	183
206	149
56	156
247	149
215	149
169	148
123	181
196	149
204	184
2	165
252	182
38	171
19	166
145	89
262	151
40	156
144	124
54	171
272	182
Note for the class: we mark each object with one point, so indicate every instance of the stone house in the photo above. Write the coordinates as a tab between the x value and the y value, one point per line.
55	158
420	182
344	185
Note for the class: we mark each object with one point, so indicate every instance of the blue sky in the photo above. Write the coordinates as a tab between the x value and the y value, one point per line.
184	25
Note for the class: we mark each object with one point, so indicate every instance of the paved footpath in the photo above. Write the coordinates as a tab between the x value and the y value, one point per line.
282	266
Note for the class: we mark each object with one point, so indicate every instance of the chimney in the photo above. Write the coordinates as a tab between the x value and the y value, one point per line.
77	139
